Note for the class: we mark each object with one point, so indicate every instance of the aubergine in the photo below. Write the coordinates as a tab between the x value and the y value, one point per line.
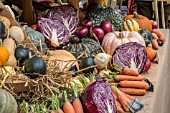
35	66
21	54
87	62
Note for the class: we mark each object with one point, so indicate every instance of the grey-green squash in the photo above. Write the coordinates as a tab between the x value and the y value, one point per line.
8	103
35	36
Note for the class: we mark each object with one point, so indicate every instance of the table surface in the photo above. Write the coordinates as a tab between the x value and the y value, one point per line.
159	74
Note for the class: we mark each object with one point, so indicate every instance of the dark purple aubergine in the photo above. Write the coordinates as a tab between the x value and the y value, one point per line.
98	98
132	55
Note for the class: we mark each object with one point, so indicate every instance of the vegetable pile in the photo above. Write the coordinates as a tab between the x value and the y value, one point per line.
96	65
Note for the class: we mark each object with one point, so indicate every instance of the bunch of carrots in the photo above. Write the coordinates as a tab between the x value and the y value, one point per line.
126	85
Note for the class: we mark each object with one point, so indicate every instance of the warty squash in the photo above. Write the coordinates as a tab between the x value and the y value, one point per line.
130	25
114	39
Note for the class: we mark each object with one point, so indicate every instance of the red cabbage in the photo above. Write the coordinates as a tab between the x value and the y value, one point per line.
98	98
130	55
60	25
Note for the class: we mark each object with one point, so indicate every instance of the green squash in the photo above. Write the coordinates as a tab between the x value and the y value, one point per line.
8	103
147	35
35	36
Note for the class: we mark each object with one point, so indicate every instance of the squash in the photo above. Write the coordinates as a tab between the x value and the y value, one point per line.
130	25
114	39
102	60
11	61
35	66
63	55
87	62
34	36
89	45
8	103
4	55
5	21
151	53
144	22
16	33
147	35
10	44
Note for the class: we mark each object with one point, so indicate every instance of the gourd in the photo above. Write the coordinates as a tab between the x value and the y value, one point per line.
16	33
144	22
5	21
151	53
87	62
2	31
4	55
35	36
35	66
63	55
130	25
147	35
8	103
114	39
89	45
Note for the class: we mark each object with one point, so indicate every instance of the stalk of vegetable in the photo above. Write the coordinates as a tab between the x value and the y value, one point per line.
134	84
128	71
133	91
55	104
121	97
77	103
67	107
128	78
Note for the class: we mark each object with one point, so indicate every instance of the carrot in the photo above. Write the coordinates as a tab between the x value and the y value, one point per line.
160	35
77	103
128	78
54	111
67	106
128	96
143	77
120	110
155	44
127	71
154	36
122	98
134	84
118	103
133	91
112	81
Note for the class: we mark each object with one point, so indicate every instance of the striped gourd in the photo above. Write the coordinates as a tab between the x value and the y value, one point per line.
130	25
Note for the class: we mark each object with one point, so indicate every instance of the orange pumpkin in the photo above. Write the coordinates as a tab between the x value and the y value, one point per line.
150	53
114	39
4	55
144	22
66	56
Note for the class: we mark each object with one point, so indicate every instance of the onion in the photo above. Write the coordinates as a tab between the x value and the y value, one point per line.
106	26
154	24
88	23
98	32
147	66
83	31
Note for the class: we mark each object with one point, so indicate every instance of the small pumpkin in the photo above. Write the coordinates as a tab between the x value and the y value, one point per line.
130	25
114	39
89	45
35	36
151	53
35	65
63	55
4	55
102	60
144	22
8	103
147	35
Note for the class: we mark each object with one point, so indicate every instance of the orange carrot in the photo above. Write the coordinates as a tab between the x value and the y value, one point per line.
154	36
155	44
112	81
133	91
128	78
129	71
134	84
128	96
160	35
118	103
120	110
122	98
67	106
143	77
77	103
54	111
